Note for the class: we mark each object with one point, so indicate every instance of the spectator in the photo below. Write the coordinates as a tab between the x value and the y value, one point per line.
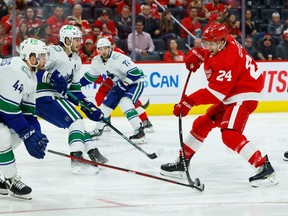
46	36
96	34
233	27
249	47
5	43
129	3
91	3
32	21
200	10
88	51
173	54
167	27
250	28
285	25
124	22
7	21
275	27
33	3
267	48
106	25
197	43
3	8
153	9
176	6
22	34
192	25
67	2
20	6
282	47
217	9
151	25
143	41
56	21
76	18
111	3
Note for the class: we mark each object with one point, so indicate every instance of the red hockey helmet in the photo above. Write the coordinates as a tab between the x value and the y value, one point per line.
214	32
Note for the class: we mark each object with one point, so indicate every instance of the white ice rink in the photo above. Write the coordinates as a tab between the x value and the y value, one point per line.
56	191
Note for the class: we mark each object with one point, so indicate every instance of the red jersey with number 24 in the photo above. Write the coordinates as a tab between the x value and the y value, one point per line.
232	74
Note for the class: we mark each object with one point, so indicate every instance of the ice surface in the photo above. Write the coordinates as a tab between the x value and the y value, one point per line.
56	191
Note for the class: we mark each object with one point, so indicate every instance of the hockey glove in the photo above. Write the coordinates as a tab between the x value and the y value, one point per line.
183	107
58	82
92	112
103	90
194	59
115	94
35	142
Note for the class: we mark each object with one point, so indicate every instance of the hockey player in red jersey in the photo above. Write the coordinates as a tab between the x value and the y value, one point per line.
234	86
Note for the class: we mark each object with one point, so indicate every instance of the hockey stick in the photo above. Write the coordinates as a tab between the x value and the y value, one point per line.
151	156
139	103
181	136
144	106
124	170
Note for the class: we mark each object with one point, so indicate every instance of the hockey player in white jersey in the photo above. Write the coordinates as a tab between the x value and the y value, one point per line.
17	114
62	71
128	85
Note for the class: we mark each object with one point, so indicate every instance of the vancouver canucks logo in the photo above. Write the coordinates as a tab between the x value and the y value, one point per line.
33	41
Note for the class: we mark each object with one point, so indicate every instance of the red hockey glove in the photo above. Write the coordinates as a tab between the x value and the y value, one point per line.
194	59
183	107
103	90
99	80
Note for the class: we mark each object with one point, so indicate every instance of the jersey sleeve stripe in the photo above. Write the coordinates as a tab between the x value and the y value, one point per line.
217	94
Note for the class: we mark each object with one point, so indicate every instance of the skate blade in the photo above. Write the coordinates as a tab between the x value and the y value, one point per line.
149	130
139	141
285	159
103	160
175	174
269	181
106	129
95	138
25	197
4	192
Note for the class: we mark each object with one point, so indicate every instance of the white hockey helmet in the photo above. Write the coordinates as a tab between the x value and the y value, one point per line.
103	42
32	45
70	32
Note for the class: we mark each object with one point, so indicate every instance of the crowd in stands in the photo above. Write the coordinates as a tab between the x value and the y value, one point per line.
158	35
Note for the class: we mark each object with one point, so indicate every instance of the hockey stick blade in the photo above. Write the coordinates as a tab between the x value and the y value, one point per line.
144	106
151	156
124	170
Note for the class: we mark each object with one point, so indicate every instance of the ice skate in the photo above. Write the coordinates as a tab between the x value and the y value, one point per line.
285	156
79	167
265	176
175	169
139	136
96	133
106	128
18	189
148	127
96	156
3	189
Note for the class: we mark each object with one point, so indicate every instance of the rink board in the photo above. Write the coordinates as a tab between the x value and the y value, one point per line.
164	84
